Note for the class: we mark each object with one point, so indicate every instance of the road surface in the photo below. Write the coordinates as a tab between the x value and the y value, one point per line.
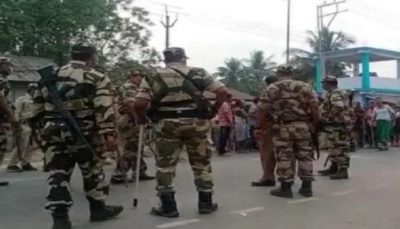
369	200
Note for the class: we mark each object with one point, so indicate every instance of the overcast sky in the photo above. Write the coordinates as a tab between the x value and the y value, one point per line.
213	30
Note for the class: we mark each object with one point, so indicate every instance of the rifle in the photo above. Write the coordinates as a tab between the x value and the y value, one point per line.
315	141
48	80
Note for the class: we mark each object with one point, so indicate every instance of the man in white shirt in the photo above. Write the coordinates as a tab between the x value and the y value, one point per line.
384	115
23	113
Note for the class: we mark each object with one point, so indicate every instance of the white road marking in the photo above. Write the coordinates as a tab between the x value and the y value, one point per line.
178	223
302	200
343	193
245	212
379	186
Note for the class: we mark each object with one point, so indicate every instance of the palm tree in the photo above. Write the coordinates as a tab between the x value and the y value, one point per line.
257	68
303	60
231	72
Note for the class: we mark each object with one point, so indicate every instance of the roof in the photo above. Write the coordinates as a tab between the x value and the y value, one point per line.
235	95
24	68
352	55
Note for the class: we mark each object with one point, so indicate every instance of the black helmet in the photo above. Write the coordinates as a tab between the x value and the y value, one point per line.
330	79
82	51
174	53
285	70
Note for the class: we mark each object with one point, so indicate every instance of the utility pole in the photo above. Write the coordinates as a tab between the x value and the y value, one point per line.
321	26
168	25
288	32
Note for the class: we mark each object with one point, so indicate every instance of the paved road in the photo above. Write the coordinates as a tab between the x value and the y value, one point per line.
369	200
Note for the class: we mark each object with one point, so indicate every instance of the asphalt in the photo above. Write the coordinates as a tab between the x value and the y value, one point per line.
370	199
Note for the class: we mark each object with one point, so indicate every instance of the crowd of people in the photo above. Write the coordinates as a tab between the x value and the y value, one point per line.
376	126
83	121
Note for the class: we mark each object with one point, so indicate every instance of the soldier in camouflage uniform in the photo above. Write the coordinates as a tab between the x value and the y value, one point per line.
336	122
87	95
7	117
129	131
293	107
180	117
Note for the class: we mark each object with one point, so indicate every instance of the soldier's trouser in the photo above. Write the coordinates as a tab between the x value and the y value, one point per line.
338	142
130	135
172	135
267	156
3	142
62	152
293	142
25	147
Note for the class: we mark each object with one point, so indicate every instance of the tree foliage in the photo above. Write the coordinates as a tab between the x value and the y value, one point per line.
247	75
303	60
47	28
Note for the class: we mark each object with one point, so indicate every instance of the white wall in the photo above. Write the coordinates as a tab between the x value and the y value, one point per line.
376	82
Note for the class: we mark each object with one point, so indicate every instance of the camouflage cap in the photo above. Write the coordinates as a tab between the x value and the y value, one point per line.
285	69
330	78
174	53
4	60
83	48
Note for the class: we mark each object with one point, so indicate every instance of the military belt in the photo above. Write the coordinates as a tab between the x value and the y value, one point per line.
292	121
177	114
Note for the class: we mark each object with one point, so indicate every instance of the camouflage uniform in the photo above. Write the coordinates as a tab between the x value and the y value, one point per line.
24	111
288	101
129	131
174	133
87	95
4	124
336	119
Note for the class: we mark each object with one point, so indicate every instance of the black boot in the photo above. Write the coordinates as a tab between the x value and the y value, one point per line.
306	188
101	212
61	220
118	179
206	205
341	174
331	170
263	183
167	207
145	177
285	191
4	183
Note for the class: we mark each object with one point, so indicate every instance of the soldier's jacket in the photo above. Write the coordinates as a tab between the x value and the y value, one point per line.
86	94
126	93
288	100
4	93
151	88
335	108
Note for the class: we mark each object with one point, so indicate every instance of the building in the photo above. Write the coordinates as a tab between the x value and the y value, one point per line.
365	84
24	72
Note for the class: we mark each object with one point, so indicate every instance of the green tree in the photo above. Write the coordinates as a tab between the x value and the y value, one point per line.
257	68
231	72
303	60
48	28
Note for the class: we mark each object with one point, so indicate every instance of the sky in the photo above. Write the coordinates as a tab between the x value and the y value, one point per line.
213	30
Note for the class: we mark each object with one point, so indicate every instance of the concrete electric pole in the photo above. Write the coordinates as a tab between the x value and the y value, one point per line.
288	32
168	25
321	26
